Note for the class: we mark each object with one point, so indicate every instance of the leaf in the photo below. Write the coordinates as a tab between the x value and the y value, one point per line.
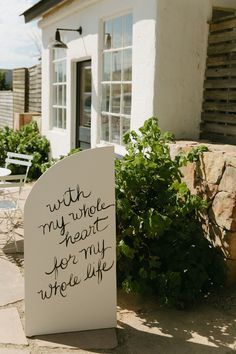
126	250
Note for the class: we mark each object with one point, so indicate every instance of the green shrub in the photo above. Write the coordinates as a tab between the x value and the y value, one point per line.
27	140
45	166
160	243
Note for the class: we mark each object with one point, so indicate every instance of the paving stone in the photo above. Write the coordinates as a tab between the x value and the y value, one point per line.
95	339
11	331
11	283
14	351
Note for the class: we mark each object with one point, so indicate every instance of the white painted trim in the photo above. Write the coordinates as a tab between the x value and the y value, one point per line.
119	149
50	109
58	130
99	82
116	14
73	98
60	15
117	115
73	87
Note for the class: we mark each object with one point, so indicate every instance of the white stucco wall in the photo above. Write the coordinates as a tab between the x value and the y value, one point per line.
182	33
88	46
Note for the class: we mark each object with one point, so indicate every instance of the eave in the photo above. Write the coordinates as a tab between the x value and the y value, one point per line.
39	9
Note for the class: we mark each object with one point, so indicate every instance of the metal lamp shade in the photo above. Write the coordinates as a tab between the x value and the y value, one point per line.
57	43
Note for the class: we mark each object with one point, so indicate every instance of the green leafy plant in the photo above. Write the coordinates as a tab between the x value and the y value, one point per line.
27	140
54	160
3	84
160	243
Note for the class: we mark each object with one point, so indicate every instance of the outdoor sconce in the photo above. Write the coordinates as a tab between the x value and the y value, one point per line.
57	43
107	41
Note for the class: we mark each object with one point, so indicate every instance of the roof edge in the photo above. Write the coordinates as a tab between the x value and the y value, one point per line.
39	8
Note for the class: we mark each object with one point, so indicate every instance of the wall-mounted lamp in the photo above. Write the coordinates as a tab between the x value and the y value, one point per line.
57	43
107	41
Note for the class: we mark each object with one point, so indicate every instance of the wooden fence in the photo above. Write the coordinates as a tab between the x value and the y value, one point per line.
6	109
25	97
34	89
20	90
219	104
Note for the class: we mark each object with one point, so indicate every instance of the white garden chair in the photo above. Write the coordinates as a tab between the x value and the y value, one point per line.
14	158
10	212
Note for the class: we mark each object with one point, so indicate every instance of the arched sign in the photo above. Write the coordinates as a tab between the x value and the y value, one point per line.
70	262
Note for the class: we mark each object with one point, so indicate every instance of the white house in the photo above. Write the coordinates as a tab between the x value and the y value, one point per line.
134	59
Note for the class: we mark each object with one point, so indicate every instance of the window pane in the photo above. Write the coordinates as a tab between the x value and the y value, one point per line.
127	65
57	72
127	30
55	67
115	130
54	54
64	71
108	35
127	99
63	51
106	67
116	66
87	80
115	98
64	95
85	112
105	128
54	94
59	112
117	32
105	97
125	126
59	66
54	117
60	88
59	53
64	119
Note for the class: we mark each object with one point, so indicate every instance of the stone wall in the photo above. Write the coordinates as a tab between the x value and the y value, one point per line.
214	178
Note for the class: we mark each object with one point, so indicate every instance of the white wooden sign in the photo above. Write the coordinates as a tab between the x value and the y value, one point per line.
70	249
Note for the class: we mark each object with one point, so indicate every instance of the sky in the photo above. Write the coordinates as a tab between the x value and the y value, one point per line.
19	42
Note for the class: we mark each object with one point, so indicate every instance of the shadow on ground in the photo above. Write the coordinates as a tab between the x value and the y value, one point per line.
209	328
145	327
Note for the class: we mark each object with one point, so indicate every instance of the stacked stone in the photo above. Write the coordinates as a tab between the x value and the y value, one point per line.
214	178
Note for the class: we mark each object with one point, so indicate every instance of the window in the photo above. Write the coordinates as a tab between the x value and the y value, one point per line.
116	79
59	89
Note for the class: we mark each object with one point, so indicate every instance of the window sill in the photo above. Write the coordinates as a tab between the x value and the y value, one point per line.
58	130
120	150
